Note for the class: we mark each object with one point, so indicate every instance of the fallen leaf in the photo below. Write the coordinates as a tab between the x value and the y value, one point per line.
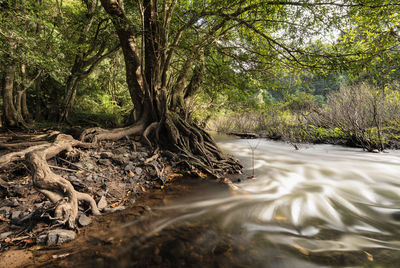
4	219
202	175
369	256
174	175
131	174
143	189
34	248
280	218
302	250
115	205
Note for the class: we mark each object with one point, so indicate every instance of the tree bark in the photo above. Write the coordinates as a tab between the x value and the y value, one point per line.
10	118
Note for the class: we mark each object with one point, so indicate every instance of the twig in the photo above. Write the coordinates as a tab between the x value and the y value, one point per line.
84	169
61	168
3	183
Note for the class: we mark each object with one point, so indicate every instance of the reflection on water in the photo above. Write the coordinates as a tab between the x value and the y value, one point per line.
322	205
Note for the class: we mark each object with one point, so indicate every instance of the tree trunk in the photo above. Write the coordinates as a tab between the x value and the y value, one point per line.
69	97
38	105
22	106
10	118
161	111
25	111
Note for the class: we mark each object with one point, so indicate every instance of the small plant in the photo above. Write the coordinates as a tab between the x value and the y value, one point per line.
253	147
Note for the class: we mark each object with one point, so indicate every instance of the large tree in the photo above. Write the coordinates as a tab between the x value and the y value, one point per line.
165	44
164	58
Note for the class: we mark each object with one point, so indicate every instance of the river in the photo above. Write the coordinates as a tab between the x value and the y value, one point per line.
319	206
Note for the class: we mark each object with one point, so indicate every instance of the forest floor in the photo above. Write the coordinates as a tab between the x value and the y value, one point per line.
122	177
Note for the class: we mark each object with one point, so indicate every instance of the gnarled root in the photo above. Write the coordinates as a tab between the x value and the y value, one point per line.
57	189
97	134
196	145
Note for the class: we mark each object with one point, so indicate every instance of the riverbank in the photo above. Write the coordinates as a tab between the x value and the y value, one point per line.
122	177
320	136
322	205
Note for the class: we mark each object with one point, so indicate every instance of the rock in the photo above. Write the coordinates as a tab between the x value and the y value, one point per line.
138	171
16	215
38	205
84	220
72	178
5	210
129	167
78	185
102	203
134	156
5	235
106	155
6	203
97	156
114	209
118	160
121	151
14	203
56	237
105	162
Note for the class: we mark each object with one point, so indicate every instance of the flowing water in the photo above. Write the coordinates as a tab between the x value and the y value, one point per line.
320	206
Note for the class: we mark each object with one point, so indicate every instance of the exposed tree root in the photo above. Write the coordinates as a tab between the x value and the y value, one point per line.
192	143
20	145
175	137
98	134
57	189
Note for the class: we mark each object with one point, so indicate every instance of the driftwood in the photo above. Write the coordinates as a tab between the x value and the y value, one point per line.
245	135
